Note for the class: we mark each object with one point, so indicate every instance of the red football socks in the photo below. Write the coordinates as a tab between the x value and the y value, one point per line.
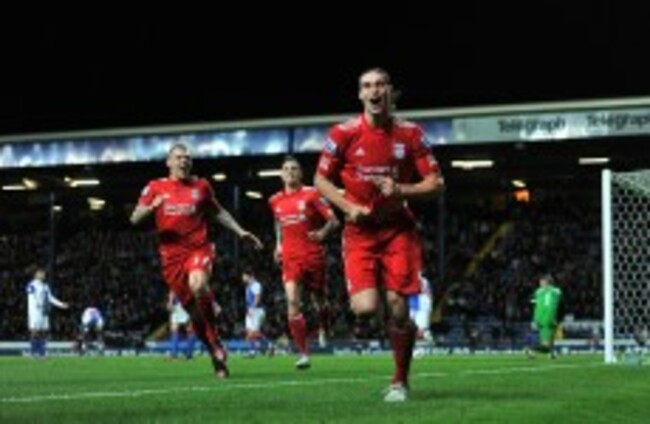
298	328
402	341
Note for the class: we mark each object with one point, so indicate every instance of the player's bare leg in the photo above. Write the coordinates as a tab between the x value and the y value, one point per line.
367	303
202	314
368	309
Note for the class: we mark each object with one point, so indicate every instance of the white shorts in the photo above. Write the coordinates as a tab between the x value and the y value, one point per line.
179	316
95	324
422	320
38	322
422	316
255	319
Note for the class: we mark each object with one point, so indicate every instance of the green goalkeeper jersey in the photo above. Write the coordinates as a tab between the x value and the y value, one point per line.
546	300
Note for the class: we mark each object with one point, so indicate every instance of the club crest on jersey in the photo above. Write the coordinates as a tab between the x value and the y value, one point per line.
195	194
301	205
399	150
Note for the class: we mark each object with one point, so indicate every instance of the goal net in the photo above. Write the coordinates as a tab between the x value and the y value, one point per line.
626	264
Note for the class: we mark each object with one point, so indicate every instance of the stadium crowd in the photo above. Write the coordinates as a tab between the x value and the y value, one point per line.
494	248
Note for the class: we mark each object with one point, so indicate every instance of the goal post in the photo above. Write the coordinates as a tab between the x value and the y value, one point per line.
608	278
626	262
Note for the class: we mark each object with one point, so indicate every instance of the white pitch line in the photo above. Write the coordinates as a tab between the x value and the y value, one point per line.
288	383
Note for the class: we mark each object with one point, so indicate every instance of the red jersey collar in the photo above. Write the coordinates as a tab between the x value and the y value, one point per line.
384	129
289	193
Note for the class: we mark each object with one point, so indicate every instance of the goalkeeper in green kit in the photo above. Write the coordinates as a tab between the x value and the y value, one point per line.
547	300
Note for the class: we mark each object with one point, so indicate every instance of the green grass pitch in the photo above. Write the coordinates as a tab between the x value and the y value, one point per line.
338	389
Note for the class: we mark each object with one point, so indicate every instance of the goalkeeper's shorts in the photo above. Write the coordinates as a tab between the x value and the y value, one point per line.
546	332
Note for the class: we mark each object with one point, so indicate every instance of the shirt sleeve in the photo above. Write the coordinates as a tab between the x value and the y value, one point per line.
211	201
425	162
322	206
147	195
331	156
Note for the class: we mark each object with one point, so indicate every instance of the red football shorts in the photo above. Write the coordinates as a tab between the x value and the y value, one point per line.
309	271
389	257
176	272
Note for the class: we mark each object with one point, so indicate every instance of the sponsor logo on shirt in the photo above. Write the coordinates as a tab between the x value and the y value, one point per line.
360	152
370	173
179	209
292	219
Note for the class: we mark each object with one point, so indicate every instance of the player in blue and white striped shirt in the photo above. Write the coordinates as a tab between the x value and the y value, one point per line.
39	301
255	313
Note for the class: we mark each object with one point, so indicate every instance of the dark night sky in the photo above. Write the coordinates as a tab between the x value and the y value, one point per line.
86	75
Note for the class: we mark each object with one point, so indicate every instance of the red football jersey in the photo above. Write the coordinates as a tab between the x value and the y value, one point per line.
358	153
182	219
298	213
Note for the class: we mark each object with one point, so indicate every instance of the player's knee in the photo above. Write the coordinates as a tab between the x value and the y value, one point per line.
293	309
365	303
293	301
198	286
400	321
362	309
397	308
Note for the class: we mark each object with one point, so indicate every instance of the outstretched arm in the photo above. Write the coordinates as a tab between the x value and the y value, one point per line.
56	302
142	211
226	219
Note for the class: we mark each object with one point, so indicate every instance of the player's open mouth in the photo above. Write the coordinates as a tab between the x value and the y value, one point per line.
376	101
